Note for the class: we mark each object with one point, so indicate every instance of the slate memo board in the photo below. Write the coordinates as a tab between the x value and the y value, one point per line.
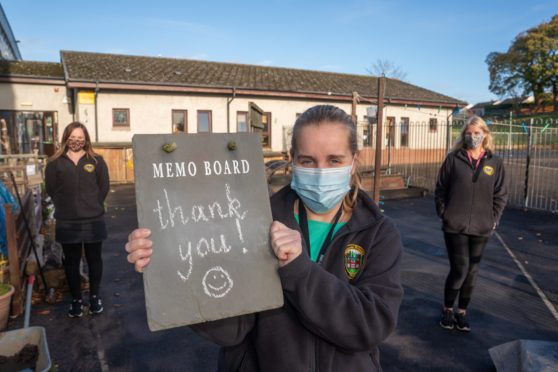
207	205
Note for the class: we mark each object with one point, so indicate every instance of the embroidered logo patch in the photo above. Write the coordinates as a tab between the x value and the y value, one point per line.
353	258
89	168
488	170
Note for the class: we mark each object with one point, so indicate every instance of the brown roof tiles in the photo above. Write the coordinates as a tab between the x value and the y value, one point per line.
126	69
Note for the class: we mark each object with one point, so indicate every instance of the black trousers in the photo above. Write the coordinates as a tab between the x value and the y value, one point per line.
72	258
464	253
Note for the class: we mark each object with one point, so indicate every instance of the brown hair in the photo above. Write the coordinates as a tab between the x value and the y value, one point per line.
88	148
478	122
328	114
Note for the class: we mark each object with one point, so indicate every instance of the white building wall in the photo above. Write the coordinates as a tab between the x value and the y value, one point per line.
35	97
152	113
420	136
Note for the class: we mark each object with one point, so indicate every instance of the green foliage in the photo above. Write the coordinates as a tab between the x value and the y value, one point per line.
4	288
530	66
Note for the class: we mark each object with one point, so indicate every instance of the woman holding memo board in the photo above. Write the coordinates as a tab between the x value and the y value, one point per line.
339	261
77	180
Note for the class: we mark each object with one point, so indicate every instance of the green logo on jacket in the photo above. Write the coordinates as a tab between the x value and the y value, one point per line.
353	258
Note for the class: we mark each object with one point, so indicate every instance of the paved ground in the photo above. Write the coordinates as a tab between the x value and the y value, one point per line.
505	306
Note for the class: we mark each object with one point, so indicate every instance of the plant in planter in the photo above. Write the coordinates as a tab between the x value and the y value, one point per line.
6	292
4	270
5	288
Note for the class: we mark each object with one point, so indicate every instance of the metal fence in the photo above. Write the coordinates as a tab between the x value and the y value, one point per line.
529	149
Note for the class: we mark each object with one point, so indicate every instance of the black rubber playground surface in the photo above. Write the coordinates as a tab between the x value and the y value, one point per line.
505	305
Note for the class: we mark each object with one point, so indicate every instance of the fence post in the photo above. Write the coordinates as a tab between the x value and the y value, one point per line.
448	134
379	125
527	164
510	135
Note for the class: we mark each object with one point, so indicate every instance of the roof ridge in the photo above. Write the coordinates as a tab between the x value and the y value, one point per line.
26	61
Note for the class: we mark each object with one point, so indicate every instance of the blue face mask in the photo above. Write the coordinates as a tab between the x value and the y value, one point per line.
321	189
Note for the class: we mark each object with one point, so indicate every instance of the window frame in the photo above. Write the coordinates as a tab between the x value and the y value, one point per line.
128	120
433	128
406	133
209	120
267	133
183	112
246	121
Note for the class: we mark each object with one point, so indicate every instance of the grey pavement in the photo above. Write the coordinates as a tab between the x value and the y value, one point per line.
505	306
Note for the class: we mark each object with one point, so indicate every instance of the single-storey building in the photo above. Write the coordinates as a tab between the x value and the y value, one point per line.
117	96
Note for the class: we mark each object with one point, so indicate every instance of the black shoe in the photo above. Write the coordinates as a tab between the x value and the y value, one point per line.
461	322
447	321
76	309
96	305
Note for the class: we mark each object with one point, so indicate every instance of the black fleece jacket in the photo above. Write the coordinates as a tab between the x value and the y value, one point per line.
469	206
78	191
328	322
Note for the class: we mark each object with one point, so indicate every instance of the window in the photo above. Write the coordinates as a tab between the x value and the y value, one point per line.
204	121
371	119
433	125
266	131
179	121
368	128
26	132
404	132
120	117
242	121
389	127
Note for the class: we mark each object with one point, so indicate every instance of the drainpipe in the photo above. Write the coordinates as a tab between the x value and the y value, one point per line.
75	105
96	112
229	100
354	107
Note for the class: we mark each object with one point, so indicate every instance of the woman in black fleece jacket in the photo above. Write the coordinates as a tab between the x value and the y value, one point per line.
470	198
77	180
339	261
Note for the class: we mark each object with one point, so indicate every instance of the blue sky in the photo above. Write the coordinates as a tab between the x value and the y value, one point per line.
441	45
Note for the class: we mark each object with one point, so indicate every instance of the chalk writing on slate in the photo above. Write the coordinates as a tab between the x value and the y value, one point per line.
207	205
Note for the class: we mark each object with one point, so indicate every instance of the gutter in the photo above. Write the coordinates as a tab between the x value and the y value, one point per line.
229	100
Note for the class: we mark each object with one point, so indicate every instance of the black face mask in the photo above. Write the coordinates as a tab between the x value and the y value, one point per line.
473	141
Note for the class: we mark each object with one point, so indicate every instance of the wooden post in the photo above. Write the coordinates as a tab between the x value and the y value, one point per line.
379	127
13	260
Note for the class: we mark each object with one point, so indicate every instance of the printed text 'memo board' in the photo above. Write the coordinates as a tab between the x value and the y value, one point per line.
206	202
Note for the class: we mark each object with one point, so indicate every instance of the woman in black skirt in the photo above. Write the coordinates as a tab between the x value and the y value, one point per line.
77	180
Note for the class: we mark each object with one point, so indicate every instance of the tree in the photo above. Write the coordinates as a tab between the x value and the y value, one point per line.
530	66
387	68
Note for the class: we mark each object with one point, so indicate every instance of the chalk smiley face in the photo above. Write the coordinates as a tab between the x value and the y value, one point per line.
217	282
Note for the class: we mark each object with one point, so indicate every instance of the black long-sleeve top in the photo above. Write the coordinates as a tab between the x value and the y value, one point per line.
469	206
78	191
329	322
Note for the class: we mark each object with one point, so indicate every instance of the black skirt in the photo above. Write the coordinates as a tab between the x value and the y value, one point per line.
81	231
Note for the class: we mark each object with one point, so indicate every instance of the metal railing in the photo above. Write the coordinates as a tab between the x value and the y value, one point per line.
528	147
416	150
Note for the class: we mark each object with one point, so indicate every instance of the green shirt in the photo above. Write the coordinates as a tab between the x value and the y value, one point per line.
318	231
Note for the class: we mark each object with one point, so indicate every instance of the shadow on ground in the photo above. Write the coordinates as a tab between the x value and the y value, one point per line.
504	306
